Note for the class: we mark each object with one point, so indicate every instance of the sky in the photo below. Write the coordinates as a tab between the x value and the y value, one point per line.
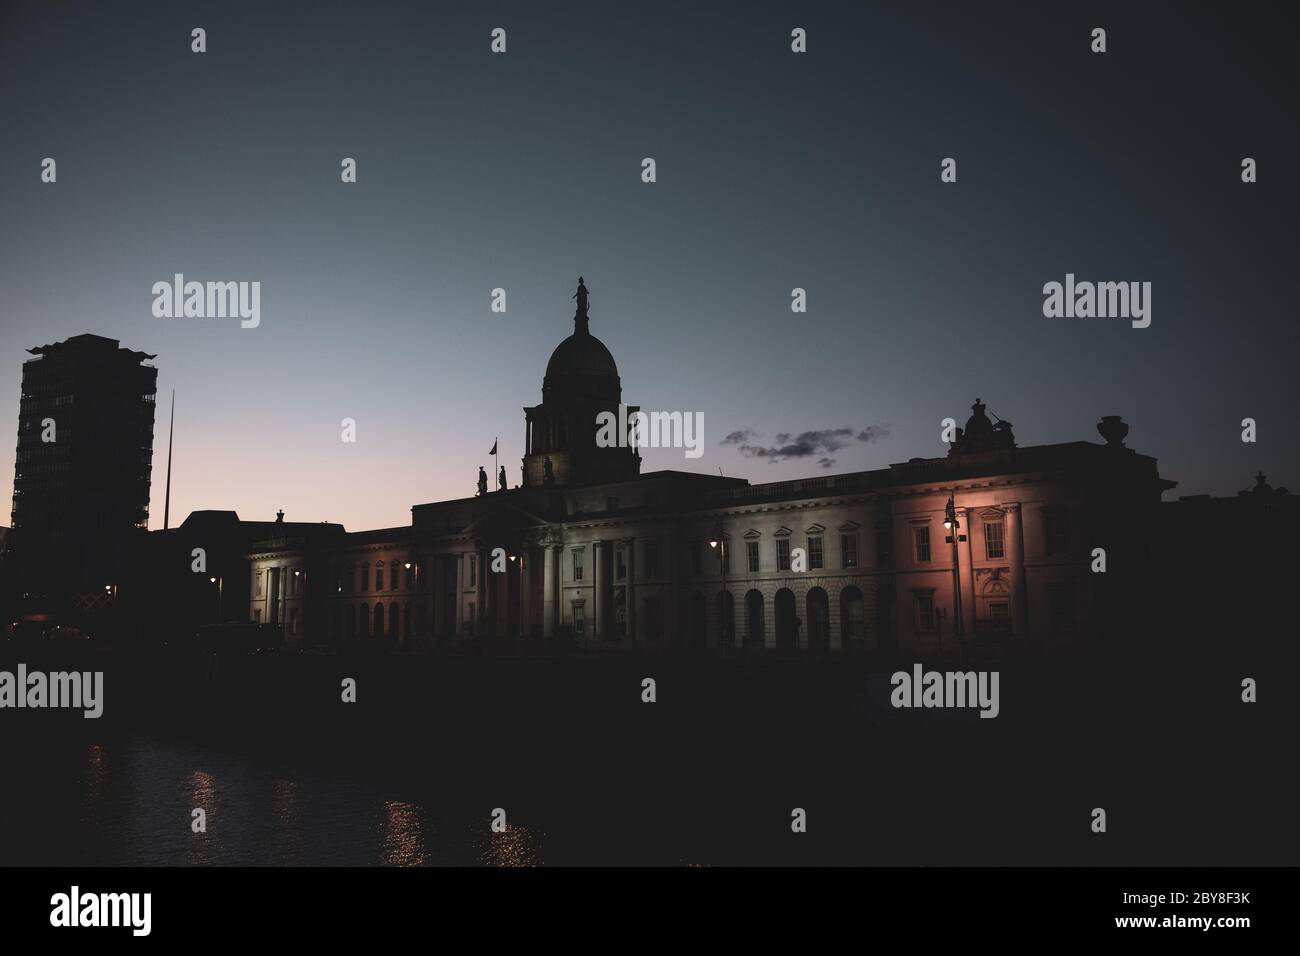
775	170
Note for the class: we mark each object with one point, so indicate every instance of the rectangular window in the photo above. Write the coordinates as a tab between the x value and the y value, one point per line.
365	577
1000	614
849	550
815	553
410	577
921	535
925	612
783	554
259	583
579	617
1061	611
392	577
1057	525
752	548
651	569
473	571
421	574
620	564
379	579
577	564
994	546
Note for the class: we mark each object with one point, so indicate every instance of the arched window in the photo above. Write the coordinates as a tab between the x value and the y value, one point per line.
754	627
787	620
394	620
363	621
819	620
379	620
853	633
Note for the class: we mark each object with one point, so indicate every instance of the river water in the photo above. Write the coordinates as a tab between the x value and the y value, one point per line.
129	802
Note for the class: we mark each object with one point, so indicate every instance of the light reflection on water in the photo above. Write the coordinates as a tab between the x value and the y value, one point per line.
132	801
515	846
402	835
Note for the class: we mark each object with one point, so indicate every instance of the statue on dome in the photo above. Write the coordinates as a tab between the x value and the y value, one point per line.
501	479
581	296
482	481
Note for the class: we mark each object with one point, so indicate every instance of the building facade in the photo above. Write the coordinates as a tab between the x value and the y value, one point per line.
1046	553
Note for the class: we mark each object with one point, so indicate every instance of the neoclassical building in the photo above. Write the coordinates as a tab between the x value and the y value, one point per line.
591	552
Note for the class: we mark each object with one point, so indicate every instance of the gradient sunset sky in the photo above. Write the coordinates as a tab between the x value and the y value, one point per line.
775	170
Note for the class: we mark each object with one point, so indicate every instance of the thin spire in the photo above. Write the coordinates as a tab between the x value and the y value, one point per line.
171	431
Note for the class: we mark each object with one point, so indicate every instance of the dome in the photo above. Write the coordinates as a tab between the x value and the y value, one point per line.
581	354
581	367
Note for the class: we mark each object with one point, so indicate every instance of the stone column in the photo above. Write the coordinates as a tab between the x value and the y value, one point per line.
525	569
599	577
501	599
549	579
629	545
673	610
436	580
1016	559
967	573
458	622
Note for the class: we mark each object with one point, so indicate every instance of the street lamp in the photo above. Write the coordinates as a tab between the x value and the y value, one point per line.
719	544
953	526
221	586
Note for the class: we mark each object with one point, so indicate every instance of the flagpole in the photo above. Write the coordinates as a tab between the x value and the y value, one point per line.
496	468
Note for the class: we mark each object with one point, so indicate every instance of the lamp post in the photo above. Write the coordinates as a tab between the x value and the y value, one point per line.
953	526
220	583
719	544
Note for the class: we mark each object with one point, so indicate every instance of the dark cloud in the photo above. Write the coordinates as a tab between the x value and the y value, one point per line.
807	444
738	438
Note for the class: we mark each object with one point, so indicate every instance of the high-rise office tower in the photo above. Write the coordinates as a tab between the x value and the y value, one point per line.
81	476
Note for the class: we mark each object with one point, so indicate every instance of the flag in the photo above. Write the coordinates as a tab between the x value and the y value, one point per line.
494	448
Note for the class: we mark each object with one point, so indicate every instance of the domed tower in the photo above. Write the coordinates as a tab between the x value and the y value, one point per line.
560	438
